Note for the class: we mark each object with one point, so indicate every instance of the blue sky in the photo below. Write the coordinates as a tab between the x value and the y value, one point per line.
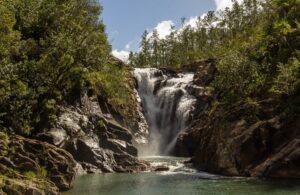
126	20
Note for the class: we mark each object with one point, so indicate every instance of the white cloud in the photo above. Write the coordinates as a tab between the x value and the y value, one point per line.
122	55
163	28
222	4
128	46
192	22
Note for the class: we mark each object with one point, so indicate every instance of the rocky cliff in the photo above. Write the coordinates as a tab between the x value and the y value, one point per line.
86	137
93	137
250	138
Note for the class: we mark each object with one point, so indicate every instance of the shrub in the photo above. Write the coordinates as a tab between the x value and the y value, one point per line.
30	174
288	79
238	76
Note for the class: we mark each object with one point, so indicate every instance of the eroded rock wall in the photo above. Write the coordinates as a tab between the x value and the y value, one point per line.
85	138
94	138
258	139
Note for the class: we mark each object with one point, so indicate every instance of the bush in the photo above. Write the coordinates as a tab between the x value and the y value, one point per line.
30	174
48	50
112	84
288	79
238	76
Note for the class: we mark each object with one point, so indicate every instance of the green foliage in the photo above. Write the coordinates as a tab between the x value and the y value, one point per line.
49	50
288	79
111	83
283	28
4	137
30	174
257	43
42	173
101	124
213	36
4	140
238	76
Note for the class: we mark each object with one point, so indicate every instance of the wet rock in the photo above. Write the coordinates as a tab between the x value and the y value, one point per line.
85	154
205	71
239	146
283	164
258	140
54	136
92	137
128	163
160	168
90	168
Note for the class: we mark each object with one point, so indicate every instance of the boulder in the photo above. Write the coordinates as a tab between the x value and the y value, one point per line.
87	155
205	71
94	139
232	142
283	164
160	168
28	187
40	158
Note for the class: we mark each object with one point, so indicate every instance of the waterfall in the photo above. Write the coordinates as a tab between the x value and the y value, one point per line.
167	106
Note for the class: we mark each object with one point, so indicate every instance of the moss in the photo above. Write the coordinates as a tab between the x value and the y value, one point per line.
1	181
30	174
101	123
13	150
4	140
42	173
213	108
4	137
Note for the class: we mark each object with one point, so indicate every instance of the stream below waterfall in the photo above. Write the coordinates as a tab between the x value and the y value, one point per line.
179	180
166	106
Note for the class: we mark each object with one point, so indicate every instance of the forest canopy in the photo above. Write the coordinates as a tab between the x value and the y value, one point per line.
49	50
256	44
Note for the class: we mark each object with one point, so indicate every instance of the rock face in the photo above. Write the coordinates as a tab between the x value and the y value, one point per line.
94	138
86	138
23	186
205	71
34	167
234	141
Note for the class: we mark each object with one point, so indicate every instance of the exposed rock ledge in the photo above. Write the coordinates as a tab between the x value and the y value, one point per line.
232	141
34	167
95	139
84	139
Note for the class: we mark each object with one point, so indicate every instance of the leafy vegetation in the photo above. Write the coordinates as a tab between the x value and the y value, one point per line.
30	174
256	44
49	50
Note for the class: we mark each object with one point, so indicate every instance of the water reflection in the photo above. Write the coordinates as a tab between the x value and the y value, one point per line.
181	181
150	184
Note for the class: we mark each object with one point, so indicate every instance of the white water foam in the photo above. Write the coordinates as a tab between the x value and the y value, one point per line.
167	106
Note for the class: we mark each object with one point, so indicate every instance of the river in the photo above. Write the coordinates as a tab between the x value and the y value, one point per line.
179	180
167	105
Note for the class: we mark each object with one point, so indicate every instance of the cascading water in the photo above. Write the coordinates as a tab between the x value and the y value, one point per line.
167	106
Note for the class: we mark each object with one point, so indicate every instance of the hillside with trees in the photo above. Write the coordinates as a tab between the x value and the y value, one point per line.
246	61
56	74
227	92
256	44
49	50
